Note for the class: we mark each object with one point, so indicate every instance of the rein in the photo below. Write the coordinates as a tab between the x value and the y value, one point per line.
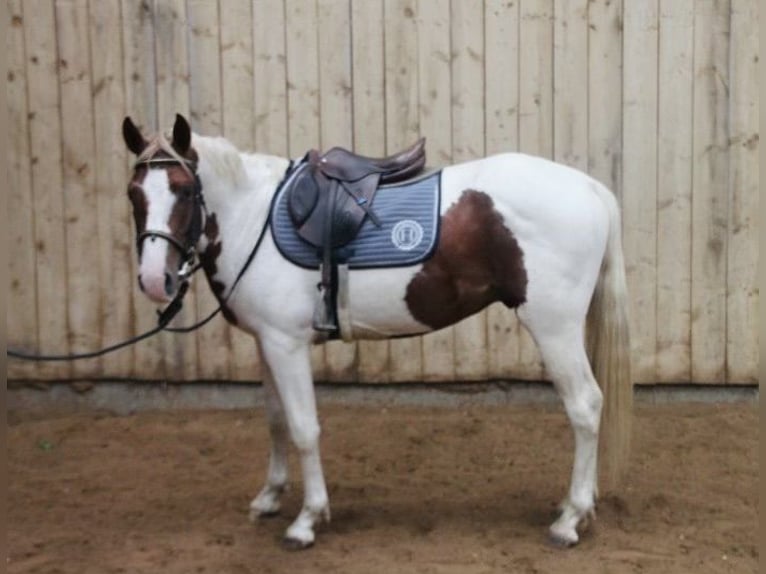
187	270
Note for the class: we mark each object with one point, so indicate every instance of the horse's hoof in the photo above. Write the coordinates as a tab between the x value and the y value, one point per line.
293	544
561	542
561	538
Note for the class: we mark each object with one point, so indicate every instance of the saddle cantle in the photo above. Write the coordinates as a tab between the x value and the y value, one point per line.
330	197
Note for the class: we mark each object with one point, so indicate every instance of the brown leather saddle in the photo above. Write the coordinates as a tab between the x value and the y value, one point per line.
328	200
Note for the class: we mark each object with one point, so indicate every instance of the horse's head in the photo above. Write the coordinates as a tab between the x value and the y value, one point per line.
167	207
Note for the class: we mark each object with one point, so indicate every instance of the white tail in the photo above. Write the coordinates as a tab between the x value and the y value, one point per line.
608	346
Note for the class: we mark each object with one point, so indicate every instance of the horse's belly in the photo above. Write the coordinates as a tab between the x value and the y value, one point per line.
377	306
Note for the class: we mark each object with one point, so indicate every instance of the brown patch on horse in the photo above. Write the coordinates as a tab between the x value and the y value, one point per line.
208	260
477	262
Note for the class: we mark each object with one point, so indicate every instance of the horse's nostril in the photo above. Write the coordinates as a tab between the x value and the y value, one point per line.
168	284
140	284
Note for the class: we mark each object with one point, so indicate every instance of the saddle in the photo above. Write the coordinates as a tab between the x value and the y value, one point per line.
328	201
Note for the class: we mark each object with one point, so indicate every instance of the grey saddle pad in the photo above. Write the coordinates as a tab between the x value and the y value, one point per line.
408	212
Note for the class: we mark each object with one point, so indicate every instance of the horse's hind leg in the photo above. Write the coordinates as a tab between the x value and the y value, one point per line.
562	347
267	501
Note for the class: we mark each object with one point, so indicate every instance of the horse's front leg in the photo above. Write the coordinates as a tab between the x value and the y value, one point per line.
290	362
267	502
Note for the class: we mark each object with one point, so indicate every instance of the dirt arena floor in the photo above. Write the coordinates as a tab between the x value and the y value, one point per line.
426	490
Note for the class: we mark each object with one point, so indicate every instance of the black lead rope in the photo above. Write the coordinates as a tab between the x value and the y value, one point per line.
174	307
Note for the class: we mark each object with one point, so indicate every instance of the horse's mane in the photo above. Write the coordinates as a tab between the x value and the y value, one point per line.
222	158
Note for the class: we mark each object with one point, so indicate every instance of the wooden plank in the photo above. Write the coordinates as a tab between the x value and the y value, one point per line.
269	84
238	121
336	128
114	220
21	315
467	24
84	281
141	105
401	97
303	101
674	189
639	181
570	96
172	94
435	118
501	38
710	182
214	341
605	93
742	259
535	120
270	77
368	102
47	183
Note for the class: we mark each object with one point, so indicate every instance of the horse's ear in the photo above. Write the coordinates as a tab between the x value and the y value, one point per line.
133	137
181	135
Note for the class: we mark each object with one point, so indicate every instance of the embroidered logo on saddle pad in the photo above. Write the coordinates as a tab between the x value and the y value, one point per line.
409	217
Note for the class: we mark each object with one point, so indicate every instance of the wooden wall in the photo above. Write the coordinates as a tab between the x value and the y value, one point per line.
657	98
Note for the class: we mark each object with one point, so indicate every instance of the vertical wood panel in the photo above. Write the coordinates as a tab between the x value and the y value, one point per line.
214	341
605	93
501	84
237	94
674	190
535	120
471	358
570	96
435	119
639	187
742	259
402	129
303	101
114	219
368	104
47	182
22	319
334	17
710	179
270	81
83	243
171	57
141	105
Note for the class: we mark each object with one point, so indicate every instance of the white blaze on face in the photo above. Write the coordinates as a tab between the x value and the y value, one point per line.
153	265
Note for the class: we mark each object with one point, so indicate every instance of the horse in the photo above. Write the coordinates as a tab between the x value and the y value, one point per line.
542	238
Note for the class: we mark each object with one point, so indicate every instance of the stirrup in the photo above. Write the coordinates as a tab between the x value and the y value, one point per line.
322	319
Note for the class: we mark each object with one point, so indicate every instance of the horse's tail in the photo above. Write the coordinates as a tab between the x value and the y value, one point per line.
608	345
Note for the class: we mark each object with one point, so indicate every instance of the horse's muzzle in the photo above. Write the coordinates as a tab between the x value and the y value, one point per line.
159	288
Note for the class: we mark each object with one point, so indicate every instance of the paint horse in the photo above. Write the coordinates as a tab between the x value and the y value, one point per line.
542	238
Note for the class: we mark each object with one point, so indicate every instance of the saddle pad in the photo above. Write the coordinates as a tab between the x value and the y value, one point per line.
409	216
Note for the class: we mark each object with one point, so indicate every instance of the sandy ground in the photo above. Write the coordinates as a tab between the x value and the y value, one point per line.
426	490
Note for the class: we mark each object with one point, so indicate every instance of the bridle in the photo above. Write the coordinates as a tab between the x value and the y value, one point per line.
187	247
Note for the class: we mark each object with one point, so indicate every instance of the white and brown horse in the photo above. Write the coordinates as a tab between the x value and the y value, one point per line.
542	238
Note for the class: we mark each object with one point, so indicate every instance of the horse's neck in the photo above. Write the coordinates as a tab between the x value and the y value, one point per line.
238	189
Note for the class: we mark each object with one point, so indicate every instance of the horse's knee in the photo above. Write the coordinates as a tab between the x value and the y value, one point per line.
305	435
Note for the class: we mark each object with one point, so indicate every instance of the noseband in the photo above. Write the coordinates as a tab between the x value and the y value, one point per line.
188	247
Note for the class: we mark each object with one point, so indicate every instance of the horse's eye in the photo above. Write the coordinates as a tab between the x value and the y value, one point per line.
186	192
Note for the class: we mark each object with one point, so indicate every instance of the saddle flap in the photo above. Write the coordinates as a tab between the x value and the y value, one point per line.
303	197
